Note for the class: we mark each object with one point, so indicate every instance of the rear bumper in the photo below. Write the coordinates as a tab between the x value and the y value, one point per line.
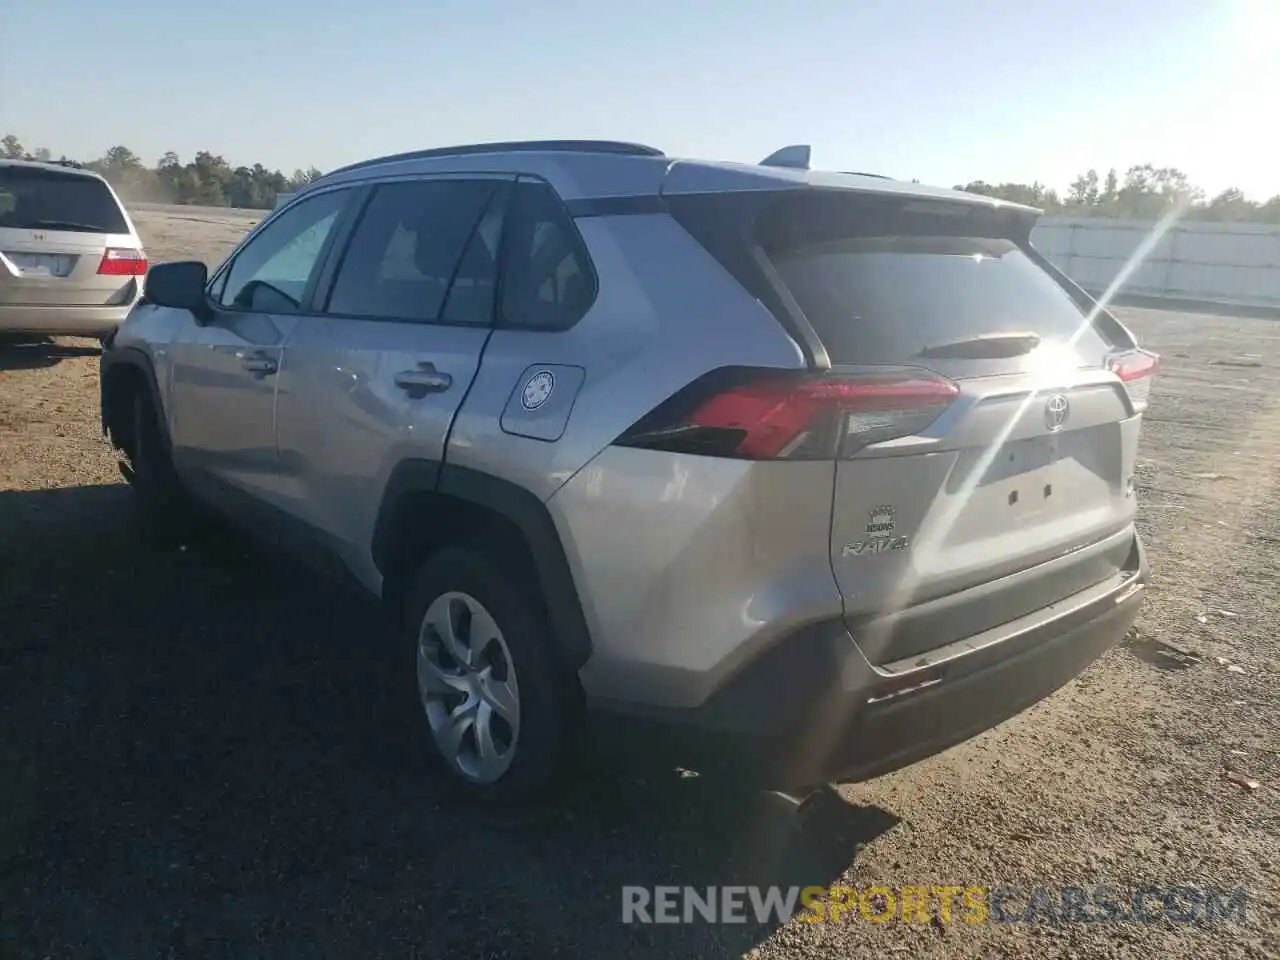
814	710
62	321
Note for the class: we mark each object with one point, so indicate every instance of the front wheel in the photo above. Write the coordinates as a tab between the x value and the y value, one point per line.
164	512
498	704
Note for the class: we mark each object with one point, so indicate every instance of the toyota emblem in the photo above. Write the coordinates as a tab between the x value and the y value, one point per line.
1056	410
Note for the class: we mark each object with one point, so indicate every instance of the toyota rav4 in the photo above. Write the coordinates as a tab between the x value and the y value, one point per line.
804	476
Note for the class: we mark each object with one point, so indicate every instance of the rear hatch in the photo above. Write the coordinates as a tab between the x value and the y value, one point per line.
64	241
984	427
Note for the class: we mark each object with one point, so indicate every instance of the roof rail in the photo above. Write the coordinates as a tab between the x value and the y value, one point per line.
64	162
796	157
859	173
615	147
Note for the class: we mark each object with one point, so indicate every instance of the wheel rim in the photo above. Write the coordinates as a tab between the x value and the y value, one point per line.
467	683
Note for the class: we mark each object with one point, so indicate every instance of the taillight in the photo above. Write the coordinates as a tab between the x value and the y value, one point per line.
757	415
1136	369
123	262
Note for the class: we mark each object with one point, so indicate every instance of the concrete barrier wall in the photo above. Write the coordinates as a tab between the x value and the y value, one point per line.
1211	262
1226	263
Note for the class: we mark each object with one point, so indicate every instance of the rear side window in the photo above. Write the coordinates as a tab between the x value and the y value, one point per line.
548	282
33	198
880	284
415	241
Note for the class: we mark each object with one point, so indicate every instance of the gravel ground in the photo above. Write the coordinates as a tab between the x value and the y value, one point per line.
207	753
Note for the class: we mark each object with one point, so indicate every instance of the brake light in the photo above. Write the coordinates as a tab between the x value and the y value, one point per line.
1136	369
123	262
1135	365
757	415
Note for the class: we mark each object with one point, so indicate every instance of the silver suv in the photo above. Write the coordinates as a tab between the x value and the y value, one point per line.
801	476
71	261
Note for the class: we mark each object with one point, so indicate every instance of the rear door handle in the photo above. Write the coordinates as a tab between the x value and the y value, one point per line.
424	380
256	363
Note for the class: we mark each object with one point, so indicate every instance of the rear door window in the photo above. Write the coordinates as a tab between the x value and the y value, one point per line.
424	251
36	198
885	286
548	282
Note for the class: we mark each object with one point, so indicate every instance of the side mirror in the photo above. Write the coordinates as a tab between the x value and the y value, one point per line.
179	285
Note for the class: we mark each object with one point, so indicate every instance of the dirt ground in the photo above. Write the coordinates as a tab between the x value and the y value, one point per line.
208	753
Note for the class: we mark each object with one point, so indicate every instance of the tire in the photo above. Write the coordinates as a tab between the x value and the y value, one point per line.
164	513
465	590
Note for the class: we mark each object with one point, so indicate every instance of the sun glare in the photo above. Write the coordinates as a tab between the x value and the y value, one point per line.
1253	28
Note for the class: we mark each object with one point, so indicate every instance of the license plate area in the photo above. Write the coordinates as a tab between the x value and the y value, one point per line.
34	266
1020	457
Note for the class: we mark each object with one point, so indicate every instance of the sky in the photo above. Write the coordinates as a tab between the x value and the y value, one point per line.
944	91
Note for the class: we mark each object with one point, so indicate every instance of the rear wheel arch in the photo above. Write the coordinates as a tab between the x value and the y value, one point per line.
428	507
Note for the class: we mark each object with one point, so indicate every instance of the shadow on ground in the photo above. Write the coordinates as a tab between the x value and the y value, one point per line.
205	752
1159	654
19	352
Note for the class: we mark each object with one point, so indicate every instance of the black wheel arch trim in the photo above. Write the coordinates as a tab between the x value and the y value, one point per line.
523	509
115	357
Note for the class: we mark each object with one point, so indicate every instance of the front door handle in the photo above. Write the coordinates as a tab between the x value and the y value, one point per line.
425	379
258	364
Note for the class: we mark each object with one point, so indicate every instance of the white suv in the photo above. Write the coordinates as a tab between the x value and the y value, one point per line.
71	261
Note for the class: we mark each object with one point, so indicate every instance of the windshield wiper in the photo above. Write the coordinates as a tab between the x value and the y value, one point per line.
985	346
63	225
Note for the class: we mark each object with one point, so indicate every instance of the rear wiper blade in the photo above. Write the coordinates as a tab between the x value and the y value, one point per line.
984	346
63	225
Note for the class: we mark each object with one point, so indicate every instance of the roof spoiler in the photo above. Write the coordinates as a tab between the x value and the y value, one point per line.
795	156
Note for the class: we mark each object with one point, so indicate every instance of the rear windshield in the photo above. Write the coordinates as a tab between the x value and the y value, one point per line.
36	199
883	286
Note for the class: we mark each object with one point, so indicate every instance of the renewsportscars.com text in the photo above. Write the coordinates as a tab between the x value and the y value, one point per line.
973	904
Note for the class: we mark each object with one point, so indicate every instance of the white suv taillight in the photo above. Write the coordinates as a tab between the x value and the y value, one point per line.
123	262
1136	370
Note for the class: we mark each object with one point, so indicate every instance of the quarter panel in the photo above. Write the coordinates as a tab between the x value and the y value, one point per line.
688	566
666	313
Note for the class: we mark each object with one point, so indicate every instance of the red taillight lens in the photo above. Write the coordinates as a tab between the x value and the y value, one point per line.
1135	365
1136	369
764	416
123	262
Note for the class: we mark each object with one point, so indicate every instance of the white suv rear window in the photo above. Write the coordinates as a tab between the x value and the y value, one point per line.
32	198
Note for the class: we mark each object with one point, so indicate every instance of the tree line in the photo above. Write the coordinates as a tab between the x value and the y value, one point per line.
1146	192
206	180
